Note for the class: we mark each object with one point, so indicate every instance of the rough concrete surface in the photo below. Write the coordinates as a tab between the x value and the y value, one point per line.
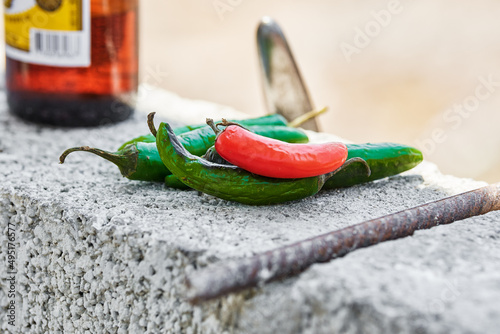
97	253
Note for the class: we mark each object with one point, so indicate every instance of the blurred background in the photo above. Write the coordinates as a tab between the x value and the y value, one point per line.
424	73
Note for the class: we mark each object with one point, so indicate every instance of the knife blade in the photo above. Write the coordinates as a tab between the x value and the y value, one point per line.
285	92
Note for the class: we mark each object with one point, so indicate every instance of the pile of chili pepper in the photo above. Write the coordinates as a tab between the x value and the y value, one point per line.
257	161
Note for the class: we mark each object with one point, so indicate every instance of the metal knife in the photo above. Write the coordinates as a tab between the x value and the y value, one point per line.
284	89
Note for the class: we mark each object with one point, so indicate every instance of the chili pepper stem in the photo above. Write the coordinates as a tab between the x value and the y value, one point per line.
126	159
305	117
151	123
210	123
225	122
215	127
228	123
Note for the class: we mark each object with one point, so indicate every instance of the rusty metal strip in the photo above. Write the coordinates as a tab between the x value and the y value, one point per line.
222	278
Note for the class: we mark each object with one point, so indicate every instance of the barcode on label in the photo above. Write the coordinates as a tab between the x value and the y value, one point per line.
56	48
57	44
61	39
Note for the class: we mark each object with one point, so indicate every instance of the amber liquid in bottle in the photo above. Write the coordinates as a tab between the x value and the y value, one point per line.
83	96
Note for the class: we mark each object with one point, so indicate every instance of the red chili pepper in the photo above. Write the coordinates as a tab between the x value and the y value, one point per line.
274	158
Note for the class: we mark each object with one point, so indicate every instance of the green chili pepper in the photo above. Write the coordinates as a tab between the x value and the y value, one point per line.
384	159
273	119
230	182
211	155
149	138
268	120
137	161
172	181
140	160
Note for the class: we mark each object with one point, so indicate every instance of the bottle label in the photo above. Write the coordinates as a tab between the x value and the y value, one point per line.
48	32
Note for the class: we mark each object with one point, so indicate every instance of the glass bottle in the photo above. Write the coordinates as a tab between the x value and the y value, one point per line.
71	62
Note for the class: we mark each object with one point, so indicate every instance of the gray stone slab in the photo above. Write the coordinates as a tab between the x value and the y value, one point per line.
98	253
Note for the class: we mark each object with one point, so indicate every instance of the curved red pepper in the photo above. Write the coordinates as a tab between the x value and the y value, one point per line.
274	158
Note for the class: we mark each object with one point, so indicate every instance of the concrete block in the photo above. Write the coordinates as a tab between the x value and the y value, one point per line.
97	253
